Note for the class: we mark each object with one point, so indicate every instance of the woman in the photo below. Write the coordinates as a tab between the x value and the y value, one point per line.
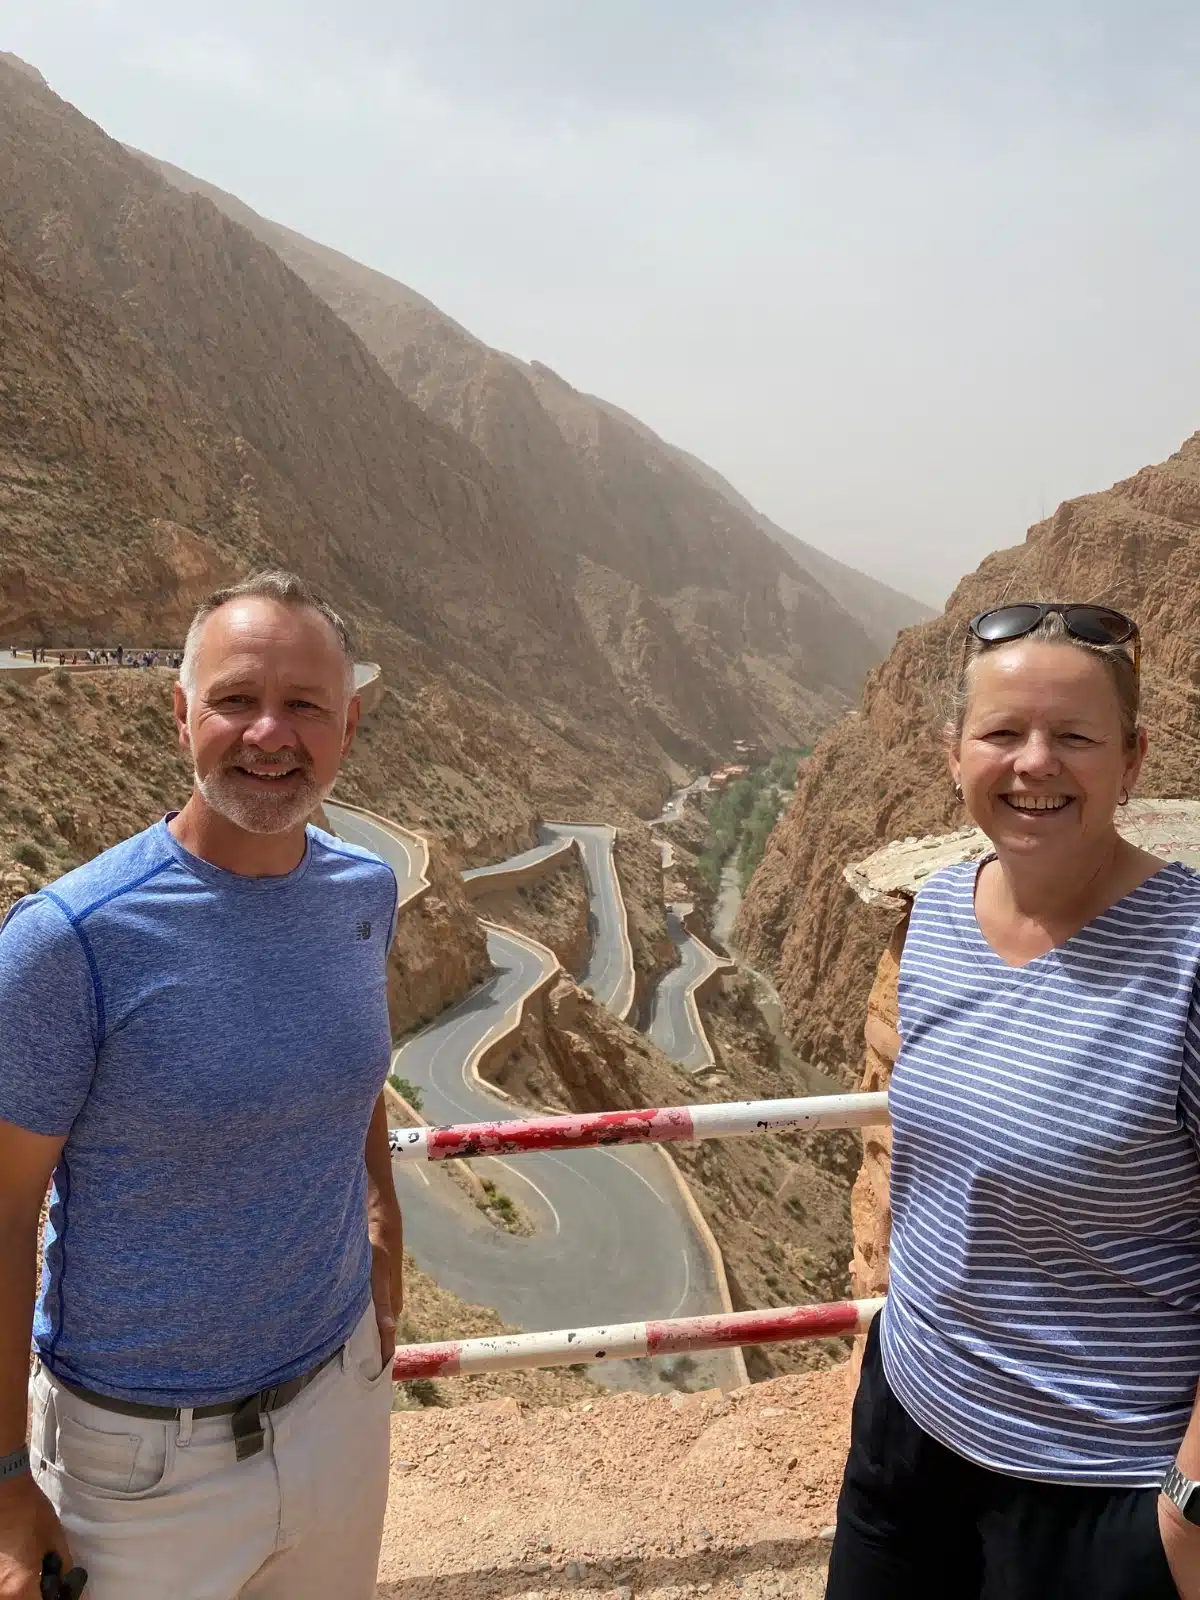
1033	1375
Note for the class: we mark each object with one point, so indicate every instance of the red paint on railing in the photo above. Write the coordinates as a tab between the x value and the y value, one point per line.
426	1360
645	1126
622	1341
752	1327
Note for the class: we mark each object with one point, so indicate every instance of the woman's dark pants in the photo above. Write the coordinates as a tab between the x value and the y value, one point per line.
916	1519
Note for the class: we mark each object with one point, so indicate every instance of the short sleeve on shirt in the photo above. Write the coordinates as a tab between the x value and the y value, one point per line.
50	1018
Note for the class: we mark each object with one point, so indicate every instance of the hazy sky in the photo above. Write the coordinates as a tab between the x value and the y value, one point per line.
909	275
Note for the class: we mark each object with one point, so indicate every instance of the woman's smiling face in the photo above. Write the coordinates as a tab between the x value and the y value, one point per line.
1042	757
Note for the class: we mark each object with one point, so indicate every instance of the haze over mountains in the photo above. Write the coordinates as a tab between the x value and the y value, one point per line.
451	374
497	534
591	475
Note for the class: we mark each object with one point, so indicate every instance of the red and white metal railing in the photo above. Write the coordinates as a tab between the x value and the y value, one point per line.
652	1125
624	1340
673	1124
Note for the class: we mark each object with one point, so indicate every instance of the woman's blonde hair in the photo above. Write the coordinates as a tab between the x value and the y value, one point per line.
1053	630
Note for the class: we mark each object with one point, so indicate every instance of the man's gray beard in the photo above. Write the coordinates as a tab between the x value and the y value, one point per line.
265	812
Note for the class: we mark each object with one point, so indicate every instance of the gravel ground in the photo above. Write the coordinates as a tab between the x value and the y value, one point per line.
728	1496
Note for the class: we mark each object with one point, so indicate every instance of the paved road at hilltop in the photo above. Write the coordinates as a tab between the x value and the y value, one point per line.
364	671
613	1240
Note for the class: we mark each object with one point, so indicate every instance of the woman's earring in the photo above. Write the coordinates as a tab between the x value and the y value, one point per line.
958	794
1124	800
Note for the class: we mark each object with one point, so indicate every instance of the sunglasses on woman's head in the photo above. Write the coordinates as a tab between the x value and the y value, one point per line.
1089	624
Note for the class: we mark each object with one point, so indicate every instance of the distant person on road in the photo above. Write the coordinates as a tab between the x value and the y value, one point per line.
194	1040
1031	1383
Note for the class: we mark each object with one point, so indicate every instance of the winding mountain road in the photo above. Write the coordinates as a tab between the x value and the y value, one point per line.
499	869
612	1237
674	1025
609	975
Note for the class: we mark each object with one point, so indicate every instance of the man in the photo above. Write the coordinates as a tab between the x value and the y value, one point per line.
193	1042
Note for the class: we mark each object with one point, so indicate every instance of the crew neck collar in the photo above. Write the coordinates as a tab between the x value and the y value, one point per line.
221	877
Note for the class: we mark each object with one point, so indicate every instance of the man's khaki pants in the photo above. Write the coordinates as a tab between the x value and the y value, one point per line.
165	1508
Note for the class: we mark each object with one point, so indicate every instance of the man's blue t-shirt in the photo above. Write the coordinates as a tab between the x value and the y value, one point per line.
213	1046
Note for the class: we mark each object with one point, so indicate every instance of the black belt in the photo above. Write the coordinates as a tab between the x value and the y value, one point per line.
247	1414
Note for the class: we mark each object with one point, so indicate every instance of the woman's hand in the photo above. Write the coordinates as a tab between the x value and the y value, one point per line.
1181	1541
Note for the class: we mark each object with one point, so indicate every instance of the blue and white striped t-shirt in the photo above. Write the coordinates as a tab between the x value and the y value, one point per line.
1043	1315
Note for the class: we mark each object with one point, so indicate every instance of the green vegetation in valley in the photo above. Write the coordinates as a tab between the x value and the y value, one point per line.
740	818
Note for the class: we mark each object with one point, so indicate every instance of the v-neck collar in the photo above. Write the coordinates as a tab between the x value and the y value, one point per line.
987	956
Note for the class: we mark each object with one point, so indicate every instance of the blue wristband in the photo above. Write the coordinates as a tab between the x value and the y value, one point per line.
11	1466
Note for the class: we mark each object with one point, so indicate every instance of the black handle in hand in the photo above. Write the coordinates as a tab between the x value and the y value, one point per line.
54	1585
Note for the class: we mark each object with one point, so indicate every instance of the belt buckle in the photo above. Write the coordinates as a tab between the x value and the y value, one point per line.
268	1398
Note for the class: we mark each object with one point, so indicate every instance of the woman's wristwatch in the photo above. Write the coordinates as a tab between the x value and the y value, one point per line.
1184	1493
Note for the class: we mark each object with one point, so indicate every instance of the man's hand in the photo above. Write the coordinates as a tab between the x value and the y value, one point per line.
1181	1541
29	1530
387	1287
385	1229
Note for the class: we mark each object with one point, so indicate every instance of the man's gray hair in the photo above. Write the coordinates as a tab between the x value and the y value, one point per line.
286	587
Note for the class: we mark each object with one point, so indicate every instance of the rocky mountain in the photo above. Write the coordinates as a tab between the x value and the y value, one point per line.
126	495
123	499
176	407
397	499
882	610
565	611
707	613
880	773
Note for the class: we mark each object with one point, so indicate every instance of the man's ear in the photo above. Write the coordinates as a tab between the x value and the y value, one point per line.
353	712
180	709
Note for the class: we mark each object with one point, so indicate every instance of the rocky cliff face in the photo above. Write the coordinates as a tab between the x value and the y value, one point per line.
713	621
123	498
439	953
880	773
84	761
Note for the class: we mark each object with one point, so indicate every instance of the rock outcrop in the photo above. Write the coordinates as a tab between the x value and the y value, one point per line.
553	910
880	773
440	951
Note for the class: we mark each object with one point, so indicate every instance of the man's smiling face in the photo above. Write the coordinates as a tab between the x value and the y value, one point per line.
268	718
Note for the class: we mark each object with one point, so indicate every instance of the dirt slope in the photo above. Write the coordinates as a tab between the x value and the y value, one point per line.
880	774
631	1494
123	498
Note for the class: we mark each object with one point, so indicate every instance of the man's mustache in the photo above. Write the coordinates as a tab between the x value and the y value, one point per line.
285	758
